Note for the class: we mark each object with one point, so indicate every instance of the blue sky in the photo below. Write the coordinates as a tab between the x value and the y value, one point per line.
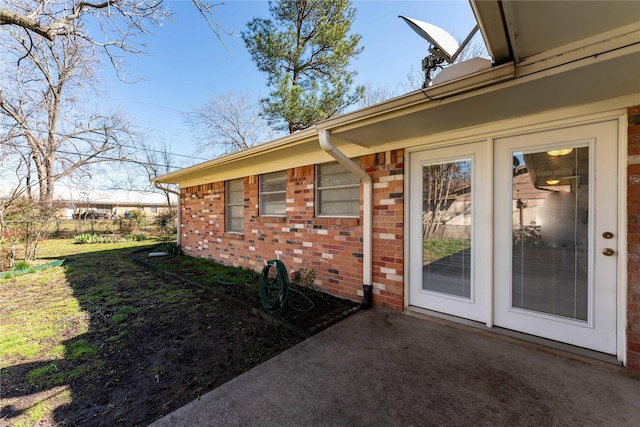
185	63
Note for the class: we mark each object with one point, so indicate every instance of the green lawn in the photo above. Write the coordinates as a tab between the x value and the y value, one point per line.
435	249
40	313
102	340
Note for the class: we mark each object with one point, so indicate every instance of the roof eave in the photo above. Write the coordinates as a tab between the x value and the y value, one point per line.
490	17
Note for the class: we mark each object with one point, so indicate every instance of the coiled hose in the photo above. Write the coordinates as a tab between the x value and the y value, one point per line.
274	292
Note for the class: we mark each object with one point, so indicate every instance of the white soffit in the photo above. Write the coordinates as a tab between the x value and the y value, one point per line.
539	26
588	81
518	30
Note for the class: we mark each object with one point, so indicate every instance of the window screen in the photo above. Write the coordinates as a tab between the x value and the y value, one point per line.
338	191
273	193
235	205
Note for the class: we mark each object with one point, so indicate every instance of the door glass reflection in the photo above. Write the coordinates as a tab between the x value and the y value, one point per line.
550	205
446	224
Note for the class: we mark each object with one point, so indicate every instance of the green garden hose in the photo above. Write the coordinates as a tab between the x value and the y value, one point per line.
274	292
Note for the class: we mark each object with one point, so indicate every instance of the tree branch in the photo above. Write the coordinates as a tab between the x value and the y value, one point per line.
58	27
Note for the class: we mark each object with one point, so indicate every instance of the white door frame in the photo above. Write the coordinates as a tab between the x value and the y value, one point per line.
599	332
574	116
476	307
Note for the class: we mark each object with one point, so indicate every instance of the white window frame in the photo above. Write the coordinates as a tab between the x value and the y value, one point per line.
230	204
320	190
282	193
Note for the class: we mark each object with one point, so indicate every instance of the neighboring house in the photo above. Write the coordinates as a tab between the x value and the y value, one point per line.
550	133
113	204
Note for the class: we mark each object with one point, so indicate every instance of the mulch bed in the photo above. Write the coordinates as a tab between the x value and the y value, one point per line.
307	312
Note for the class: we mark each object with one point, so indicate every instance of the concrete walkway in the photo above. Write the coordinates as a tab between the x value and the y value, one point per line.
378	368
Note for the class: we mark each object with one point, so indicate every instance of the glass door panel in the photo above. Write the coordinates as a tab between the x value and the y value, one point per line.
550	236
446	228
450	229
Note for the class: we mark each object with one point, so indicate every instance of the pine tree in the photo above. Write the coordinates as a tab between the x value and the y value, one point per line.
305	51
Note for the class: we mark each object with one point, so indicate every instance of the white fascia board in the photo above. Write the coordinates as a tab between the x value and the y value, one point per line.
288	140
473	81
489	16
594	46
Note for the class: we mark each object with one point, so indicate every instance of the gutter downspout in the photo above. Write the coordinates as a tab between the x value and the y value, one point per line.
367	241
179	219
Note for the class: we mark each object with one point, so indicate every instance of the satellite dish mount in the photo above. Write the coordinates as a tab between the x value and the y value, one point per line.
443	46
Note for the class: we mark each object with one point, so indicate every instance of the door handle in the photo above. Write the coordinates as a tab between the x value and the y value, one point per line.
608	252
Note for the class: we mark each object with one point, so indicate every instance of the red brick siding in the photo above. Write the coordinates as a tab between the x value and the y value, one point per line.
387	171
633	240
331	246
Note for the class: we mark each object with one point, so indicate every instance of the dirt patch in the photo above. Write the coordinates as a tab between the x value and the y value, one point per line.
308	310
152	341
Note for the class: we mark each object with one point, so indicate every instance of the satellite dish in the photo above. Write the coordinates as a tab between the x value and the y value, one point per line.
444	47
439	38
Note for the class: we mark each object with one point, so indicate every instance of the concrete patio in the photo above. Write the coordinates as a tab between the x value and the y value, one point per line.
379	368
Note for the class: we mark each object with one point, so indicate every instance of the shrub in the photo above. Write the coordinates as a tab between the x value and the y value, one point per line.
6	256
84	238
21	265
104	238
166	223
26	221
304	277
125	225
138	217
172	248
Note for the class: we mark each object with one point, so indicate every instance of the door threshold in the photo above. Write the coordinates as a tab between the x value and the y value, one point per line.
520	338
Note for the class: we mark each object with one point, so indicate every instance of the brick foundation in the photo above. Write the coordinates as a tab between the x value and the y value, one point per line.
330	246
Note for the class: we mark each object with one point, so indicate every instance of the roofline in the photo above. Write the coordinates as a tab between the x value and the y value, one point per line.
617	42
306	135
490	17
296	138
433	94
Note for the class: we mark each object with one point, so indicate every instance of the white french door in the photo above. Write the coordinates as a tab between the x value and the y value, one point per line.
450	223
556	231
526	238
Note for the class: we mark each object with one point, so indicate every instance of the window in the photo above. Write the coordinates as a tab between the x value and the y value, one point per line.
235	205
273	193
154	209
338	191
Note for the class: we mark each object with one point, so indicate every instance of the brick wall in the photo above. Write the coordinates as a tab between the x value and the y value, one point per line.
333	247
633	240
330	246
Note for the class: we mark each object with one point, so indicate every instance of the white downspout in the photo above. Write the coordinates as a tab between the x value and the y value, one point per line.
177	193
367	240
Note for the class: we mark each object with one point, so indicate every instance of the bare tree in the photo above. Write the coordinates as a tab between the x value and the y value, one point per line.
413	82
227	123
437	181
374	95
47	66
121	21
159	162
443	184
42	118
